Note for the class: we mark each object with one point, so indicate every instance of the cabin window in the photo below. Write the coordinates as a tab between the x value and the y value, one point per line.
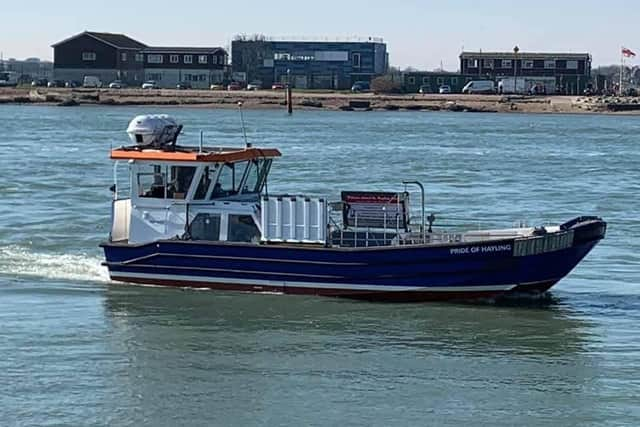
153	182
550	64
174	59
527	64
205	227
88	56
202	59
188	59
225	184
242	228
208	175
180	181
507	63
252	176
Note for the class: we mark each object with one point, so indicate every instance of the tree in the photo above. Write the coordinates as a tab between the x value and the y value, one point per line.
386	84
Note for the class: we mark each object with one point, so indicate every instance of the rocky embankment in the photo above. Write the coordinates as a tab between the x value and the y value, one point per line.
602	104
313	100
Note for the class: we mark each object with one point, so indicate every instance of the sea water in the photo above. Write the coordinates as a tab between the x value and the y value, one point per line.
76	349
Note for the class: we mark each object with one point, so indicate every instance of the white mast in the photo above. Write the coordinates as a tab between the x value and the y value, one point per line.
621	68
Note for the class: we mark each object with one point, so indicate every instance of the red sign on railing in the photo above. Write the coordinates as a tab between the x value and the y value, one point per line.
375	209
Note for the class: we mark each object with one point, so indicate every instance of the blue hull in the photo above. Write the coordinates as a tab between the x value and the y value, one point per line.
393	273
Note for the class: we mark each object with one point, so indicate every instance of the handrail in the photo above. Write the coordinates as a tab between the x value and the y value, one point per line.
424	229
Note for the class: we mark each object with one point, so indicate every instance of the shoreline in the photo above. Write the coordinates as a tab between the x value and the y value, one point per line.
319	100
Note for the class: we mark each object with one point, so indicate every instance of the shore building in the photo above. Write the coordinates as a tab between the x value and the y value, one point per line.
431	81
309	64
558	73
27	69
119	57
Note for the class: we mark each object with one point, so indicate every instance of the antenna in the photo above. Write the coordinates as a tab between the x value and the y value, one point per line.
244	130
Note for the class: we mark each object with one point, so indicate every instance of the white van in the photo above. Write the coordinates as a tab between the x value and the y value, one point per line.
479	86
91	81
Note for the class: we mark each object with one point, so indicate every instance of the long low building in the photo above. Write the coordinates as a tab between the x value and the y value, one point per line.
563	73
111	57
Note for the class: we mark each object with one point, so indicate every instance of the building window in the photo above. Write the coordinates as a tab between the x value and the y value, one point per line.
139	57
472	63
425	80
279	56
411	80
88	56
550	64
507	63
527	64
123	56
572	65
202	59
488	63
154	76
355	60
154	59
440	81
174	59
188	59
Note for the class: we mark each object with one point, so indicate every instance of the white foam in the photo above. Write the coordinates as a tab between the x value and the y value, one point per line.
21	261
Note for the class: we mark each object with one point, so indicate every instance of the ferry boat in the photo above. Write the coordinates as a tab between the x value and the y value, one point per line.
204	217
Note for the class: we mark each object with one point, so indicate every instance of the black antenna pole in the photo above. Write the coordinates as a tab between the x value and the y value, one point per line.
244	130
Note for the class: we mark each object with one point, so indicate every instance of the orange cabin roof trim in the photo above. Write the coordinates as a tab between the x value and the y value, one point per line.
225	155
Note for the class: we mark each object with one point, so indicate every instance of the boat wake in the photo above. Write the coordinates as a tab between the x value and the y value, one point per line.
21	261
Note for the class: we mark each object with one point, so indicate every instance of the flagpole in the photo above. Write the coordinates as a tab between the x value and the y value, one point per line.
621	67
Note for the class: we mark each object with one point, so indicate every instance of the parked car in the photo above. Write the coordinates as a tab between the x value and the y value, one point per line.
91	81
71	84
424	89
360	87
254	86
278	86
56	83
39	83
479	86
217	87
184	86
117	84
150	84
235	86
444	89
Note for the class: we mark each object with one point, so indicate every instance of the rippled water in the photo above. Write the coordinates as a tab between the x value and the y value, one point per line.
78	350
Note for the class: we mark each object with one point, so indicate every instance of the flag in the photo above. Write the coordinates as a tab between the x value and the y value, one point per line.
628	53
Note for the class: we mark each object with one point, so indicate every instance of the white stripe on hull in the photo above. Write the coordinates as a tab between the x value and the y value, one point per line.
123	276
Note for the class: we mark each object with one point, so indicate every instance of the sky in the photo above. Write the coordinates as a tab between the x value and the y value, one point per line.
420	34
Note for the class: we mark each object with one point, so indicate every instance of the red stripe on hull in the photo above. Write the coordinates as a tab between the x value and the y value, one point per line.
368	295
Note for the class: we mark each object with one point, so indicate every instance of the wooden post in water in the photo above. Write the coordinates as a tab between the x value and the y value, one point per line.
289	97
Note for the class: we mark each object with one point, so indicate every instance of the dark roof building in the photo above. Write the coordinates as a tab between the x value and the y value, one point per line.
111	57
571	71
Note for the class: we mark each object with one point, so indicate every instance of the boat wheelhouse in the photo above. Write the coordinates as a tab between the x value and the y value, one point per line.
204	217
